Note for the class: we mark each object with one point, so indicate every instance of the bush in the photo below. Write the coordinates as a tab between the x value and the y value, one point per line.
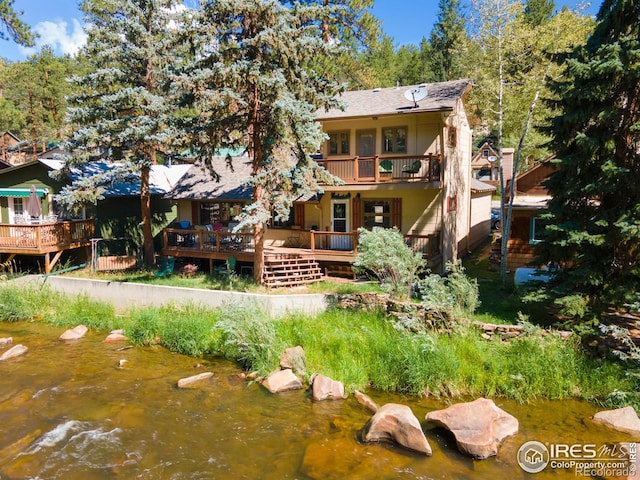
248	336
383	254
144	327
188	330
451	294
20	302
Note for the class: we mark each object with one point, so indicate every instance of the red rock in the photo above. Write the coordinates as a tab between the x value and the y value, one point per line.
365	401
190	381
115	337
397	423
4	342
282	381
477	426
14	351
325	388
74	333
621	419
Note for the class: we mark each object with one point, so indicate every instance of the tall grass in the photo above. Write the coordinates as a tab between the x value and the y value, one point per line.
361	349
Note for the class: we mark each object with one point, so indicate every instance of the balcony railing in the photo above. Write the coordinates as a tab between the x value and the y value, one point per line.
45	236
206	240
376	169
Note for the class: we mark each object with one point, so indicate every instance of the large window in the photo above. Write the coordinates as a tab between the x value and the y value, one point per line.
394	140
338	143
219	212
376	213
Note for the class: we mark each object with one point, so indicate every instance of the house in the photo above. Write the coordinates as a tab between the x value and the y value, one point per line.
117	215
403	155
529	203
7	141
486	162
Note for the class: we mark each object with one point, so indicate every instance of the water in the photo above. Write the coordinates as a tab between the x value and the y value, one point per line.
69	411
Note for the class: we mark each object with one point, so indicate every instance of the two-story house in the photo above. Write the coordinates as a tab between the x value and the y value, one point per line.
403	155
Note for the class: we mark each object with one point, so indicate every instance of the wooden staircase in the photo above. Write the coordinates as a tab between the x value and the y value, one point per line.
289	270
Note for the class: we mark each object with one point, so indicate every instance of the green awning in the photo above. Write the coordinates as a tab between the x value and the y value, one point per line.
22	192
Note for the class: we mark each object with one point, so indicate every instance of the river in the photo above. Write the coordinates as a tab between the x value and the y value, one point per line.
70	410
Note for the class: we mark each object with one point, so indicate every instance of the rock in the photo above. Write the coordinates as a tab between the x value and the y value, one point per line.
14	351
324	388
621	419
295	359
190	381
477	426
282	381
74	333
122	362
115	337
365	401
397	423
4	342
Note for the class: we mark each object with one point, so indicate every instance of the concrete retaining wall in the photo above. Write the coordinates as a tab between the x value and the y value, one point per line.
125	295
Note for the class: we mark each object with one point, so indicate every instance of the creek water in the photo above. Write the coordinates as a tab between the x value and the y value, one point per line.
68	410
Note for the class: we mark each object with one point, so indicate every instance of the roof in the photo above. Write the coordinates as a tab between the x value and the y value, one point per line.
200	184
440	97
479	187
529	202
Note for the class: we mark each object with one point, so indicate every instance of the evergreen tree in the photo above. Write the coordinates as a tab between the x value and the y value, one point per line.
594	214
254	86
12	27
447	39
121	109
537	12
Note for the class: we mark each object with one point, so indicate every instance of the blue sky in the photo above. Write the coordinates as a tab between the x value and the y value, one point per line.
59	22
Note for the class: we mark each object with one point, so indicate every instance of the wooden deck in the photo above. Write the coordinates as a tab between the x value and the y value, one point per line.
44	239
403	168
322	246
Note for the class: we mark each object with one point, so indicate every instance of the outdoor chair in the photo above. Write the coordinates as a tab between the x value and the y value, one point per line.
227	269
386	166
165	266
413	168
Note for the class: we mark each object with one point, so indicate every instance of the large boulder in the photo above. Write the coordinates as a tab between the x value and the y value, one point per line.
621	419
74	333
295	359
116	336
324	388
190	381
14	351
282	381
396	423
477	426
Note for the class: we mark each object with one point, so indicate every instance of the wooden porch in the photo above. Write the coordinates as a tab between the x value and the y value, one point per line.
321	246
405	168
47	239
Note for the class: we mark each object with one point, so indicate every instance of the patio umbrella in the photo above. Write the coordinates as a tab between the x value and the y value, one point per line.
34	209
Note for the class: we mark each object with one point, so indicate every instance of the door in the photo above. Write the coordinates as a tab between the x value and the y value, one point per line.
340	223
366	143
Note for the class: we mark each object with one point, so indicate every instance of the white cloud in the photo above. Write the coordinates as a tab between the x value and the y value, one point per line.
55	35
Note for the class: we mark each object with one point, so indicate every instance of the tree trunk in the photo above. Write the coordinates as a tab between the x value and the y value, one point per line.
145	210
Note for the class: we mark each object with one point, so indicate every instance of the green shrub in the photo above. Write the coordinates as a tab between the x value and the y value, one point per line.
248	336
21	302
454	293
144	326
188	330
86	311
383	254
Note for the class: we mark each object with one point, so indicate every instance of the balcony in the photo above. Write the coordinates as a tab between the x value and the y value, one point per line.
407	168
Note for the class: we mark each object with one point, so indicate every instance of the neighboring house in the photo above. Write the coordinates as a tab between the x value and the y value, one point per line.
529	203
404	159
485	164
7	141
117	215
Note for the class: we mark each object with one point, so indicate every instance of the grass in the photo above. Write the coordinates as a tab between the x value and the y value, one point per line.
363	350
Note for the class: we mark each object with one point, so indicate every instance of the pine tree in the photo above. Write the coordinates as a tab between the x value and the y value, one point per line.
594	221
252	85
122	111
447	39
15	28
537	12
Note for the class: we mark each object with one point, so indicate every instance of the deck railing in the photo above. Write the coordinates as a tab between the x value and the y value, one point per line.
207	240
45	236
383	169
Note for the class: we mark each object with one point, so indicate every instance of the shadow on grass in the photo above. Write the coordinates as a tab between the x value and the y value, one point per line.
501	303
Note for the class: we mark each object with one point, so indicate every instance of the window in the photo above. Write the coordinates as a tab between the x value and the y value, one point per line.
485	153
338	143
18	206
394	140
376	213
219	212
538	230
